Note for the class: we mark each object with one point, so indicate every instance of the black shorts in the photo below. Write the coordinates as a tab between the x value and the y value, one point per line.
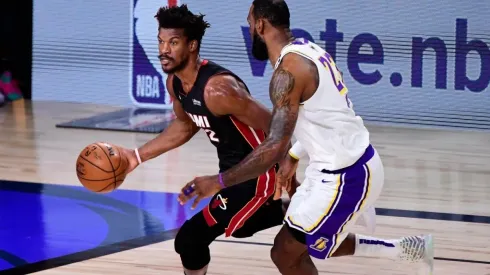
242	210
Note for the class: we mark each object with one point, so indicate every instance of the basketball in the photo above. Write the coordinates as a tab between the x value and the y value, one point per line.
101	168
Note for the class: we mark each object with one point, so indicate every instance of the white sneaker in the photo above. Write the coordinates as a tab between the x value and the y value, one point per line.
419	249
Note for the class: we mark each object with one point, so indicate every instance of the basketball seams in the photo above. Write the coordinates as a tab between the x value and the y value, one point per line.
101	179
112	165
103	189
93	164
95	179
120	157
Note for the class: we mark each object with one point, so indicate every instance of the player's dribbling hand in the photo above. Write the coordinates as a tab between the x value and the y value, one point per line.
202	187
131	157
285	177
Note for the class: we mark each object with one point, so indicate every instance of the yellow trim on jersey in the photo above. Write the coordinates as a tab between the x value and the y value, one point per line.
344	90
293	155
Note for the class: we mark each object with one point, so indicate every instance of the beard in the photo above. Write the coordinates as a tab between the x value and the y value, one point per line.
259	48
177	67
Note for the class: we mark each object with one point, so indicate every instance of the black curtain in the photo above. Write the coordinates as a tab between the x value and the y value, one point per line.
16	41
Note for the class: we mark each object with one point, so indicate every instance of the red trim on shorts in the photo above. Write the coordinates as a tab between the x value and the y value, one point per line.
210	220
265	183
264	190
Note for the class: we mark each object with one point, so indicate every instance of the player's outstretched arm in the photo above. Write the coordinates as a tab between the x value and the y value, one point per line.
226	95
287	86
180	130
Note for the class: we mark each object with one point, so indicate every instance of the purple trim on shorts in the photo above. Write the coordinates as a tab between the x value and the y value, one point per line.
368	154
352	194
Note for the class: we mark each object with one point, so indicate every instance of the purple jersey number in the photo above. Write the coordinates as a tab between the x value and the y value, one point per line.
328	62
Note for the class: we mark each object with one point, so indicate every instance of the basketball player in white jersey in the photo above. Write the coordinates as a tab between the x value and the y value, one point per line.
345	174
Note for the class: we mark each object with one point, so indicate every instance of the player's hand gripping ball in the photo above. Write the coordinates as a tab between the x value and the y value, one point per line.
101	168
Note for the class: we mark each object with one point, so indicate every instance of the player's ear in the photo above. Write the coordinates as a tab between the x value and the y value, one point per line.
193	46
259	26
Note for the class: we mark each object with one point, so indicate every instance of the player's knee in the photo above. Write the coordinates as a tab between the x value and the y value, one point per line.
287	248
281	257
181	241
275	255
192	247
279	254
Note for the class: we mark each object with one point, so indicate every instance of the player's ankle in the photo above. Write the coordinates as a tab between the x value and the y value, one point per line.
367	246
201	271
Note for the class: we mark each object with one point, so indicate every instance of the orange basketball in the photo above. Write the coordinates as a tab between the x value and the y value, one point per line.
101	168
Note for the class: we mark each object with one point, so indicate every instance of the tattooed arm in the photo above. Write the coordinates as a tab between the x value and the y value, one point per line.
295	80
295	77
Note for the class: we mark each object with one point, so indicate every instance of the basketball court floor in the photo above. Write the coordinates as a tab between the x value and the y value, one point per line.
437	181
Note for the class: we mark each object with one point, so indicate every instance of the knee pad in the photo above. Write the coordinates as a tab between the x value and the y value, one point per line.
192	247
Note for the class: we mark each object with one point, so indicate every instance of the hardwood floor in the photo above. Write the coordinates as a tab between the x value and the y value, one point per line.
435	176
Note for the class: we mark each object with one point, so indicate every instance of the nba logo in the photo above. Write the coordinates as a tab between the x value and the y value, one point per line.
146	78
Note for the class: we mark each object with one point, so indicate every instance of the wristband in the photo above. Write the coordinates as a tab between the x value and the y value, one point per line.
137	155
220	176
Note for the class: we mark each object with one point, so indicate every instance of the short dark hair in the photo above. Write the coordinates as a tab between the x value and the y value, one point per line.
180	17
275	11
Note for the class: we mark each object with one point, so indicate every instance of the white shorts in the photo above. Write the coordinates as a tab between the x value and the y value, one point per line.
327	204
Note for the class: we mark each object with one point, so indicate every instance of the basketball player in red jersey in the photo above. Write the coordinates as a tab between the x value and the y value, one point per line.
209	97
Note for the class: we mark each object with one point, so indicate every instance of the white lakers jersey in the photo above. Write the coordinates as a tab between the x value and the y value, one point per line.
327	126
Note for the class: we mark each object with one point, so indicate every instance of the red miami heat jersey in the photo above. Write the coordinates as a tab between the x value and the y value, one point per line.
233	139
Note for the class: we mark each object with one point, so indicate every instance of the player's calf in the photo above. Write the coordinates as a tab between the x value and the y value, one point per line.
290	244
290	255
347	247
192	244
